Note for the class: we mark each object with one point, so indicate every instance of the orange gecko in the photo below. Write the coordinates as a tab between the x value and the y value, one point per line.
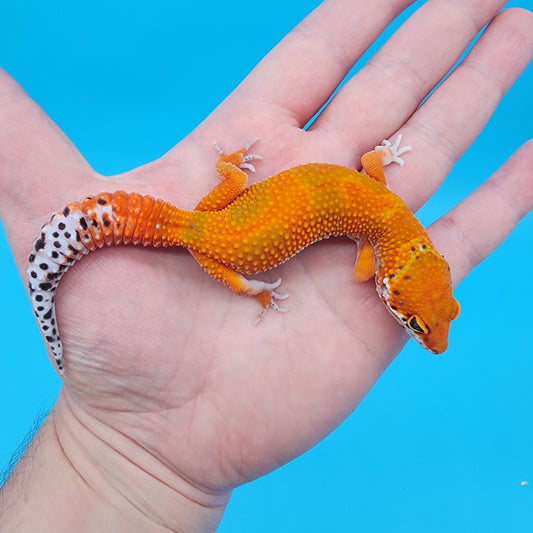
238	230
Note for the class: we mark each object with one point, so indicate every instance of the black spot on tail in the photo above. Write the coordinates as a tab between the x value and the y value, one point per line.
39	244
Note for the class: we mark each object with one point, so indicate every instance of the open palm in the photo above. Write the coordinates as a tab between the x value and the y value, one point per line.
162	354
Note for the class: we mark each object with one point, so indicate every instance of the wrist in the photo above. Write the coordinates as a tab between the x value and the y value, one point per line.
80	475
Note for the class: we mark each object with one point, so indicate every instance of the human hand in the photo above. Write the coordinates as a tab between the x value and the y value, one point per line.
175	353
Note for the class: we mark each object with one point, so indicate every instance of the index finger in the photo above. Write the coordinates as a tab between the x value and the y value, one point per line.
35	156
306	67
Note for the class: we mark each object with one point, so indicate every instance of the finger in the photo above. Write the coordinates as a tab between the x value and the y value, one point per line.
481	222
300	74
449	121
38	164
390	87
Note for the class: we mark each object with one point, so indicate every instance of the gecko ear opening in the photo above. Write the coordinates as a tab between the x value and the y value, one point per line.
417	325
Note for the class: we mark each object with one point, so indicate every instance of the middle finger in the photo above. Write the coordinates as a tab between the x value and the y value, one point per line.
394	82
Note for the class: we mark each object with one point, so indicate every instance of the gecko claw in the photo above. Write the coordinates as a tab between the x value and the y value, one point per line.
273	297
247	166
394	150
247	146
245	158
218	148
278	296
250	157
274	306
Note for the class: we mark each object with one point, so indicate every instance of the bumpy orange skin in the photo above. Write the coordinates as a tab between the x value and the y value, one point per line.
239	230
276	218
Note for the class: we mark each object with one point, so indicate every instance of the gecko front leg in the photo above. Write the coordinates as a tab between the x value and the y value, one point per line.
233	179
383	155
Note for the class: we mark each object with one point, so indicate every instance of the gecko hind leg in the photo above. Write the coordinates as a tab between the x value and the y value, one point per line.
267	297
262	290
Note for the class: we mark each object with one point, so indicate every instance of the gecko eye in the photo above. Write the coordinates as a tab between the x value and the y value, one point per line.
417	325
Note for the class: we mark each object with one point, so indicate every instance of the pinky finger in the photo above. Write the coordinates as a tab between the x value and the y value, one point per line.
481	222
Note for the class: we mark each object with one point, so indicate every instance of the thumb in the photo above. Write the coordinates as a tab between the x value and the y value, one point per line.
39	166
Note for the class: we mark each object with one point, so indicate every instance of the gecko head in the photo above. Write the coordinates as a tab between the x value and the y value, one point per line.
419	295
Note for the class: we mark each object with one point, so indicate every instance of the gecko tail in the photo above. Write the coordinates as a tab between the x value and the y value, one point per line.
57	248
96	221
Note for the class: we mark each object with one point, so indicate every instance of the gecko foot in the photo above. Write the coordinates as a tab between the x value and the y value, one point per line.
245	158
268	297
394	151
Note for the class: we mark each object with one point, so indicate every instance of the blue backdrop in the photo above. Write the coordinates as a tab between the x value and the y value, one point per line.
441	443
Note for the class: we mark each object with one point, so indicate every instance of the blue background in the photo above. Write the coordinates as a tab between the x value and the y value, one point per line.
441	443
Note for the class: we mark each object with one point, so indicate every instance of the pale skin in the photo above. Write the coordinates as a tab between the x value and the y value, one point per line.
172	397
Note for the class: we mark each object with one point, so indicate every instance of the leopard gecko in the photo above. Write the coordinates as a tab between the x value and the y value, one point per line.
238	229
